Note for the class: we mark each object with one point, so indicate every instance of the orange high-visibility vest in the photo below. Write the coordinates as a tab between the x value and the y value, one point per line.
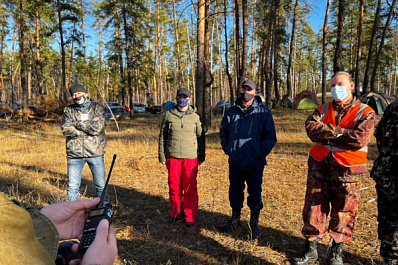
344	157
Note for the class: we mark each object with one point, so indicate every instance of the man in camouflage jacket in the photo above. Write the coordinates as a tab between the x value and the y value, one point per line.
340	131
385	174
83	125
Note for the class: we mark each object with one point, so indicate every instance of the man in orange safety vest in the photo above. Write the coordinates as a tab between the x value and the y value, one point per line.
341	131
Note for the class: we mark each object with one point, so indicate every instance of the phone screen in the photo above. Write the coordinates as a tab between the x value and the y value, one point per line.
96	212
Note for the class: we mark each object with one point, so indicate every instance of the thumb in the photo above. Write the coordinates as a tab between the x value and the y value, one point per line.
102	231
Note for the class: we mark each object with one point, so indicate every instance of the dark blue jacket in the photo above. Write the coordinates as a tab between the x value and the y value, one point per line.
248	138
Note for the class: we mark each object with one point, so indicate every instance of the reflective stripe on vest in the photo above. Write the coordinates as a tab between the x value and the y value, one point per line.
344	157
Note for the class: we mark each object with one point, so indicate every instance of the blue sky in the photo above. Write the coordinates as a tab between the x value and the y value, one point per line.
317	16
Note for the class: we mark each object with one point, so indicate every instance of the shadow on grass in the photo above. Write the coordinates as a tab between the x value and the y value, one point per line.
155	241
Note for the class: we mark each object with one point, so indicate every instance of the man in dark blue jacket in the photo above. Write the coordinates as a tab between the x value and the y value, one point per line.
247	136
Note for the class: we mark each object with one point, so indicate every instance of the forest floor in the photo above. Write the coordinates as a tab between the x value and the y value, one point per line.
33	168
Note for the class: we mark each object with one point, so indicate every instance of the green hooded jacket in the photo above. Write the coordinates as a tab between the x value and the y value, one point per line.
181	137
26	236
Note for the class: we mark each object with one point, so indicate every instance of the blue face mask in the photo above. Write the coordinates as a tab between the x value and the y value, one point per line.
182	102
339	92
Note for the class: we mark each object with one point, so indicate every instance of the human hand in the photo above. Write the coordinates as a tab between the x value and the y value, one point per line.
69	217
96	119
163	163
328	130
103	250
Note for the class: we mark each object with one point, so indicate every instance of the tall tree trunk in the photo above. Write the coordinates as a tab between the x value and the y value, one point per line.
289	65
337	62
118	33
3	25
13	92
383	37
177	46
237	48
84	43
39	61
22	54
370	52
128	59
231	89
324	51
191	60
63	94
359	49
208	74
268	59
276	50
201	67
245	42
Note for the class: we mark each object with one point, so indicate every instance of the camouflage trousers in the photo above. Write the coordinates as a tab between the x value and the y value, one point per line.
386	177
331	189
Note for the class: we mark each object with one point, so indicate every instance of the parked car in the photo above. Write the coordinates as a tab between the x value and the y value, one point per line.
116	114
156	109
221	106
139	108
116	105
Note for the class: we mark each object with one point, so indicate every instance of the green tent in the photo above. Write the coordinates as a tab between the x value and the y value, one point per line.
307	103
377	101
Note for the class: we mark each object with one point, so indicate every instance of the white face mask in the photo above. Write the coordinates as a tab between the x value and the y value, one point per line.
339	92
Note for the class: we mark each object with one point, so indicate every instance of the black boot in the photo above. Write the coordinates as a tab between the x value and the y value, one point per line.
256	232
233	223
310	255
336	255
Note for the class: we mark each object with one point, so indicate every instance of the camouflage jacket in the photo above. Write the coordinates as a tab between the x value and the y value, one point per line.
384	167
84	137
387	131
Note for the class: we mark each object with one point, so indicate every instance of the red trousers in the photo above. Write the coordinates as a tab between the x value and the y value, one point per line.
183	190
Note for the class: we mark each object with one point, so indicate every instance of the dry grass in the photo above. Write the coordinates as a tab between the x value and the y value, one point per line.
33	169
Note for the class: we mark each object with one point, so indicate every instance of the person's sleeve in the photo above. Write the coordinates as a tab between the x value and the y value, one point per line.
200	133
162	139
359	136
91	127
224	134
318	131
268	139
45	231
68	130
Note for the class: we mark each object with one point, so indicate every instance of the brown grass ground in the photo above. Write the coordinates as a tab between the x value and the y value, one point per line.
33	169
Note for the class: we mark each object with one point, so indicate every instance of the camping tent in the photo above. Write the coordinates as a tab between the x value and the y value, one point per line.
377	101
310	102
307	103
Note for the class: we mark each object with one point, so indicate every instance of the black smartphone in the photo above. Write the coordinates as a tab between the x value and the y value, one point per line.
95	216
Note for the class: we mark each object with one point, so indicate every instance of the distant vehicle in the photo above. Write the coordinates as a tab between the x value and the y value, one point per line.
221	106
116	105
156	109
17	106
139	108
116	114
